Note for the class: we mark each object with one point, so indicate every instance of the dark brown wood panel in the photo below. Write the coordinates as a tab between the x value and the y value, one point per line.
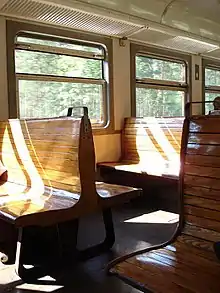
189	264
208	192
206	150
199	160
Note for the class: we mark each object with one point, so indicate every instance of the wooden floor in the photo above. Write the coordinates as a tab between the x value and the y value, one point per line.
175	268
136	228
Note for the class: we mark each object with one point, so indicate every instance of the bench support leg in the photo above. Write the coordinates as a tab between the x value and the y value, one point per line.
27	275
106	244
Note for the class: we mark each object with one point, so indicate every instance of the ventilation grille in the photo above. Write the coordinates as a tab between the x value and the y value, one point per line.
68	17
189	45
213	54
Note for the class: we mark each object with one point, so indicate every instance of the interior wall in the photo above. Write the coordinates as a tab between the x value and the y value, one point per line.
196	84
107	147
121	81
3	71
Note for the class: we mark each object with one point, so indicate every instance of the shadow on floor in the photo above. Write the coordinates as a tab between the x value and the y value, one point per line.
91	276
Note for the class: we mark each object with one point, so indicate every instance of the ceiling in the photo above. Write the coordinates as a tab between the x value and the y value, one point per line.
185	25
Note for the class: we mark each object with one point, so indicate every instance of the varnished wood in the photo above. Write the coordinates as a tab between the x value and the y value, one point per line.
150	142
51	172
188	264
50	181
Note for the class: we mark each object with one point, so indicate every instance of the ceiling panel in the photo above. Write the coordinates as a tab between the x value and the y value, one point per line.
200	17
148	9
168	40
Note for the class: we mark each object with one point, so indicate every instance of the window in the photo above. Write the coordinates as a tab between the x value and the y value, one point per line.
212	86
54	74
160	87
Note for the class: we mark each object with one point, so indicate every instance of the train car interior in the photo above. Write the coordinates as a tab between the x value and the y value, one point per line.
110	146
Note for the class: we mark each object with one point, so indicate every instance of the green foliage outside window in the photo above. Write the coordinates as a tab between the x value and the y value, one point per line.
212	79
157	100
48	85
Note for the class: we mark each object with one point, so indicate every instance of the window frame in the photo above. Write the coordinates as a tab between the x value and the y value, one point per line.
214	65
160	54
20	29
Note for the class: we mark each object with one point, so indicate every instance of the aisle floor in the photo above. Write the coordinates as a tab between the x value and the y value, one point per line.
136	227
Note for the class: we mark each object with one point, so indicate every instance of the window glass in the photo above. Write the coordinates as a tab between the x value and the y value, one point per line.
212	77
59	44
159	103
160	87
42	99
49	81
212	87
147	67
209	97
55	64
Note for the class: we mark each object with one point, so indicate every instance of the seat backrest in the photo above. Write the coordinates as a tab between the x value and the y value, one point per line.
200	178
152	140
44	154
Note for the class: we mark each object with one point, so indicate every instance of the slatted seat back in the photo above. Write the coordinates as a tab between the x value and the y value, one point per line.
41	155
152	140
201	179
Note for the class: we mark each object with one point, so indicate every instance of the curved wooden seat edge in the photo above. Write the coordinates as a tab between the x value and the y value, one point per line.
187	262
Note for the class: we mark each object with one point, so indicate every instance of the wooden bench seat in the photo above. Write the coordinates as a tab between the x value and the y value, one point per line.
150	146
50	177
187	263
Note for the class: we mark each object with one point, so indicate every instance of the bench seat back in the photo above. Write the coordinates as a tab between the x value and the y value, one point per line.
152	142
47	154
201	180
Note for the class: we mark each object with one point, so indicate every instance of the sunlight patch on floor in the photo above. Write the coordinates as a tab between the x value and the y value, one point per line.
158	217
40	288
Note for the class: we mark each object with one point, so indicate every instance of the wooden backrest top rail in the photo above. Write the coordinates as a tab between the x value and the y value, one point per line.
201	178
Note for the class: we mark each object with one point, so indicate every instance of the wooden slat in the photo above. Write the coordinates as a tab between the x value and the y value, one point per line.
201	233
211	172
203	222
208	193
201	160
206	150
199	181
202	202
205	124
202	212
207	138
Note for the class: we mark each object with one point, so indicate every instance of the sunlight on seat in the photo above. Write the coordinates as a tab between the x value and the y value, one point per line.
15	146
158	217
151	160
160	157
163	141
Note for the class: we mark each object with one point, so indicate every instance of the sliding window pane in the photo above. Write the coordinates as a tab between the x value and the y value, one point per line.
41	99
57	65
153	68
210	97
212	77
159	103
57	44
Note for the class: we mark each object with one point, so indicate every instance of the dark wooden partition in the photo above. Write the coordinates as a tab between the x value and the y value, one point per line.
188	262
